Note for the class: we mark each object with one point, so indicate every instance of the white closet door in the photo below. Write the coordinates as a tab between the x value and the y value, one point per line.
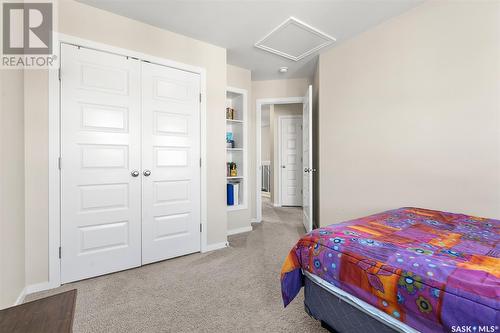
171	163
100	147
291	161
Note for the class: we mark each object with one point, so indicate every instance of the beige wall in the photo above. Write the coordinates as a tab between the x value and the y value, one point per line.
241	78
269	89
12	241
265	143
36	174
409	114
93	24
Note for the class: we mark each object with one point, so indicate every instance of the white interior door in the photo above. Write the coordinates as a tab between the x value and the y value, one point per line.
307	166
100	136
171	163
291	161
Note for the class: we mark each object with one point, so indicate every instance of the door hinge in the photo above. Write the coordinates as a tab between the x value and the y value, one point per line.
200	162
59	161
200	97
201	227
59	73
60	250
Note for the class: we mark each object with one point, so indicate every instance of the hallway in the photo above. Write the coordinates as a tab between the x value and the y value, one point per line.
288	215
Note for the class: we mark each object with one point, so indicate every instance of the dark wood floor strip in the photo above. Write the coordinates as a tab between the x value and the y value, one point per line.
47	315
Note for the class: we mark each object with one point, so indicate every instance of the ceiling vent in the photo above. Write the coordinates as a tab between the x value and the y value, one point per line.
294	40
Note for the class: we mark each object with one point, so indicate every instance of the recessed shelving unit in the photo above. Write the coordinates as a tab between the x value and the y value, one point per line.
237	152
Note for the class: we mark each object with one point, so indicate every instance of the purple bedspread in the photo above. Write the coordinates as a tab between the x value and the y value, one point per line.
434	271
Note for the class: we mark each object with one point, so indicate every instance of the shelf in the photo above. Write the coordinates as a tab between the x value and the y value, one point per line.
236	99
236	207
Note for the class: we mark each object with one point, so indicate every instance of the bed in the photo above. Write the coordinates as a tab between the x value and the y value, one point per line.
408	269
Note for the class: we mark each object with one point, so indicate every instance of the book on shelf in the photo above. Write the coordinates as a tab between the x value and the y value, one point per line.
230	194
236	194
233	193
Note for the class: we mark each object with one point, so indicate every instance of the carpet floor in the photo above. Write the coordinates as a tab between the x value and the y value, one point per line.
230	290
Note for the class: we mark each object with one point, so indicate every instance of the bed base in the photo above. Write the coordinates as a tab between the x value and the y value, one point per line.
337	315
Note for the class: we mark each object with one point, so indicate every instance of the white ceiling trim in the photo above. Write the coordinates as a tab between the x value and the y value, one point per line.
261	44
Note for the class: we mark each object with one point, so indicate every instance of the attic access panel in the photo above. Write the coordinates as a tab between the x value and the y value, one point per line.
294	40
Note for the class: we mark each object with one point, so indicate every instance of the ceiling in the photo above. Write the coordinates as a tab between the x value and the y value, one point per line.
237	25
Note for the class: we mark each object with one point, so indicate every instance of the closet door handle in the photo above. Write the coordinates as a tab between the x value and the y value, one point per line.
147	173
134	173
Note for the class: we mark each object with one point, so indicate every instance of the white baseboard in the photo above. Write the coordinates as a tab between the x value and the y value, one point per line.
33	288
255	220
20	298
216	246
37	287
276	205
239	230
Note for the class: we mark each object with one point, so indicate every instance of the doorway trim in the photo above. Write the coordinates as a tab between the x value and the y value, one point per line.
258	122
279	145
54	198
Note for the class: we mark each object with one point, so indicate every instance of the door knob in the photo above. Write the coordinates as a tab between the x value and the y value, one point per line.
306	170
283	166
135	173
146	173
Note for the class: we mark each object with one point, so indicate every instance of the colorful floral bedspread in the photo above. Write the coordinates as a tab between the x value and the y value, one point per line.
434	271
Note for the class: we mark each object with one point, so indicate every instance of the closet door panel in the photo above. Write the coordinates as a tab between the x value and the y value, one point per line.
171	153
100	146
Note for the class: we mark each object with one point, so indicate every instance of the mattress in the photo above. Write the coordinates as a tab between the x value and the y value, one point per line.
434	271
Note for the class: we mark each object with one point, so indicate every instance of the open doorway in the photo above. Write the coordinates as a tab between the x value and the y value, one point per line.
283	155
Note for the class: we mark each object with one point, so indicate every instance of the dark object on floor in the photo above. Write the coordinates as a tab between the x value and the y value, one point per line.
336	315
47	315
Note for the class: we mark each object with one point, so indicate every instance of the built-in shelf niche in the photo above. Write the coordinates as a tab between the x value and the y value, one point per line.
236	99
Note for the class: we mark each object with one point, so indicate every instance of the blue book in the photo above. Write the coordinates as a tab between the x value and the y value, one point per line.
230	194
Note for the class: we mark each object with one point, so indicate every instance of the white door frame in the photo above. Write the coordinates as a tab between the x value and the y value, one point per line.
55	146
259	103
280	157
